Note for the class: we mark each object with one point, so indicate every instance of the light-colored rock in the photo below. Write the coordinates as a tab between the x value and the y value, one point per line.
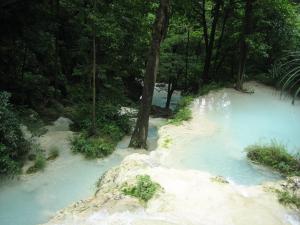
187	197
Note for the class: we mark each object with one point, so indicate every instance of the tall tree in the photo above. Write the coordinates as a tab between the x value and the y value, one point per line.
139	136
209	42
247	29
94	75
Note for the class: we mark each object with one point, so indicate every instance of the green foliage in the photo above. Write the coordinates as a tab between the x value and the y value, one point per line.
144	189
275	156
8	166
180	116
287	72
13	146
111	127
167	142
39	164
288	198
92	147
54	153
109	121
205	89
32	120
185	101
183	111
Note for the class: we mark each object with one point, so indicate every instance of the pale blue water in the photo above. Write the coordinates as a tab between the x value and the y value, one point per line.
242	120
34	199
160	97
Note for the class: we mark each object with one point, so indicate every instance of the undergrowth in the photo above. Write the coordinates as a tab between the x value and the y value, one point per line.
288	198
92	147
144	189
275	156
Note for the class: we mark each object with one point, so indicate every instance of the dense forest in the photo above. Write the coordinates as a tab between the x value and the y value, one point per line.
86	59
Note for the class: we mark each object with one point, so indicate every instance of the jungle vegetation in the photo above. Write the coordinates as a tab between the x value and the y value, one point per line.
85	59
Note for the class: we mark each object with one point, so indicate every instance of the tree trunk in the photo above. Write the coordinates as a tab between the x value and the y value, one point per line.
247	29
56	48
205	76
227	14
204	24
139	136
169	94
187	59
94	79
172	85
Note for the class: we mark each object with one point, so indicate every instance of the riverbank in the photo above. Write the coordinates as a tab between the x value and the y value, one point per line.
187	196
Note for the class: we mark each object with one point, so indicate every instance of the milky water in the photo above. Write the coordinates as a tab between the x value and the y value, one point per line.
241	120
160	97
33	199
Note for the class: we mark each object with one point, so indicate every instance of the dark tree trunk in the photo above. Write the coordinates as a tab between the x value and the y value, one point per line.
204	24
247	29
172	85
56	48
169	94
22	76
187	60
139	136
94	78
228	12
216	12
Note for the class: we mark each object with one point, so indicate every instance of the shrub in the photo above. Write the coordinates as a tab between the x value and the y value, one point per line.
274	155
39	164
185	101
91	147
144	190
204	90
106	114
13	146
8	166
288	198
184	114
112	132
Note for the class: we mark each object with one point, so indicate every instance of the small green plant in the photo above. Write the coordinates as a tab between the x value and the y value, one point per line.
39	164
92	147
167	142
287	198
54	153
144	189
182	115
275	156
185	101
183	112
